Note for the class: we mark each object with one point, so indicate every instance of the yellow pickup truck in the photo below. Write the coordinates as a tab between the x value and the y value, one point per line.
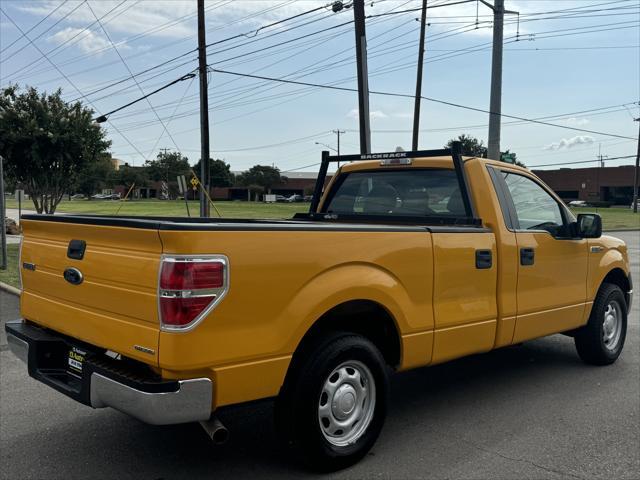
404	260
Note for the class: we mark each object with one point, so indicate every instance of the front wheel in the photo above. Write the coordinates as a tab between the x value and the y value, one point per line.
601	340
333	405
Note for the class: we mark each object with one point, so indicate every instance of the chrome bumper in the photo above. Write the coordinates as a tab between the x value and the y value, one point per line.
18	347
182	401
190	403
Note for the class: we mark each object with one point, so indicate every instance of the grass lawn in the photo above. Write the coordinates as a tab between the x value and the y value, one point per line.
10	275
175	208
612	218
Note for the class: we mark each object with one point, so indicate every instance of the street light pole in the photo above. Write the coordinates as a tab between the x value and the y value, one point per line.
327	146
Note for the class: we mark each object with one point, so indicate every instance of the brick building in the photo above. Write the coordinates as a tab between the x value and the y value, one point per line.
298	183
608	184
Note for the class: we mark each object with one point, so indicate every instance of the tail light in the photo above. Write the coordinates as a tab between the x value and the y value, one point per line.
189	288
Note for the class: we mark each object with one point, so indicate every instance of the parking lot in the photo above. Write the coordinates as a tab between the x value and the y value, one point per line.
529	411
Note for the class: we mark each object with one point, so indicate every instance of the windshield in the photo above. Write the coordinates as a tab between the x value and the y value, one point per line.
406	192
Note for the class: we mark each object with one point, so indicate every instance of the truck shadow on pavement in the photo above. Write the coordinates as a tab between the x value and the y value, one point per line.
426	404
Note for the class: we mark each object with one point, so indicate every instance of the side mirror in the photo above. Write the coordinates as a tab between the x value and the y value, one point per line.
589	225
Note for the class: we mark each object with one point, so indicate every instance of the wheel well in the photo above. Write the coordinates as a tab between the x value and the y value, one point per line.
364	317
619	278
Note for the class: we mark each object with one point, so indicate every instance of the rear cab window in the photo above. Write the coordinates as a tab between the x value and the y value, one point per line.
408	192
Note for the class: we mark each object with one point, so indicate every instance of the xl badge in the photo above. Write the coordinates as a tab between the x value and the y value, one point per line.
73	276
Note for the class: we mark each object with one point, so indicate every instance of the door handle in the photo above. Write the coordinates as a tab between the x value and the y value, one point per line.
527	256
484	259
76	249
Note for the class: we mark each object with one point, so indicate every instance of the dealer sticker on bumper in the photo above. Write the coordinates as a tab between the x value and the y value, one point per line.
76	359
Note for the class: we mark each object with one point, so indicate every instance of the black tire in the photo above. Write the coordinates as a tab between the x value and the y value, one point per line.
590	342
297	416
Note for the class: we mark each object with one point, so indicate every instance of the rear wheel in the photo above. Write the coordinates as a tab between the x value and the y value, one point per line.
601	340
333	405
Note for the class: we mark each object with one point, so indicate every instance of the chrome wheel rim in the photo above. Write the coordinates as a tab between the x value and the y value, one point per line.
347	403
612	325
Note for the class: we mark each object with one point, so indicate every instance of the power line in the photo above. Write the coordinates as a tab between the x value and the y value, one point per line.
292	141
388	70
135	80
183	64
103	117
42	33
582	161
66	41
271	46
173	43
218	42
410	10
174	112
35	26
593	111
435	100
324	67
463	107
71	83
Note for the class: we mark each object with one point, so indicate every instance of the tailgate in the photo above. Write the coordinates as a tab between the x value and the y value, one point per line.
115	304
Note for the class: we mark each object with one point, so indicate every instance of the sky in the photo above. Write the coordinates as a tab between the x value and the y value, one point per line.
571	63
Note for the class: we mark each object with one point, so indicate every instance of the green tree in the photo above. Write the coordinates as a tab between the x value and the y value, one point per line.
127	176
167	167
513	155
46	142
471	146
262	175
219	173
93	176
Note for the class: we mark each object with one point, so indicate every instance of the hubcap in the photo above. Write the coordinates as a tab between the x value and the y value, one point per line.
347	403
612	325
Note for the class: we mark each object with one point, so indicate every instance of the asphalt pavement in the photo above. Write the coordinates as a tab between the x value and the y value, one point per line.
528	412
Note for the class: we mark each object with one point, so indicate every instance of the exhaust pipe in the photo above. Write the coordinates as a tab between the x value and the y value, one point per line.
216	430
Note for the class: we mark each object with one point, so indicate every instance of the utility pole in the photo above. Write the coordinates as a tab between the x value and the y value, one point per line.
635	172
338	132
363	76
204	112
600	165
416	109
495	102
164	152
600	156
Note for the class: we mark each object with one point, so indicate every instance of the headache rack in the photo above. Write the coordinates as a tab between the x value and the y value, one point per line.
396	158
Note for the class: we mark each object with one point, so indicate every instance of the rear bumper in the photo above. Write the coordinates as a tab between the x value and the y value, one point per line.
105	382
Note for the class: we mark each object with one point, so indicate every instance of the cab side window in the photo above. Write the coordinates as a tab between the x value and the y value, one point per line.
534	207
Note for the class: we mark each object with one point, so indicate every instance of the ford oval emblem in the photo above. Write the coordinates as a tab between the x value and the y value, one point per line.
73	276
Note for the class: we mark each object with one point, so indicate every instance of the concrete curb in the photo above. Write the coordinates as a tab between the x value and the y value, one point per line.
9	289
